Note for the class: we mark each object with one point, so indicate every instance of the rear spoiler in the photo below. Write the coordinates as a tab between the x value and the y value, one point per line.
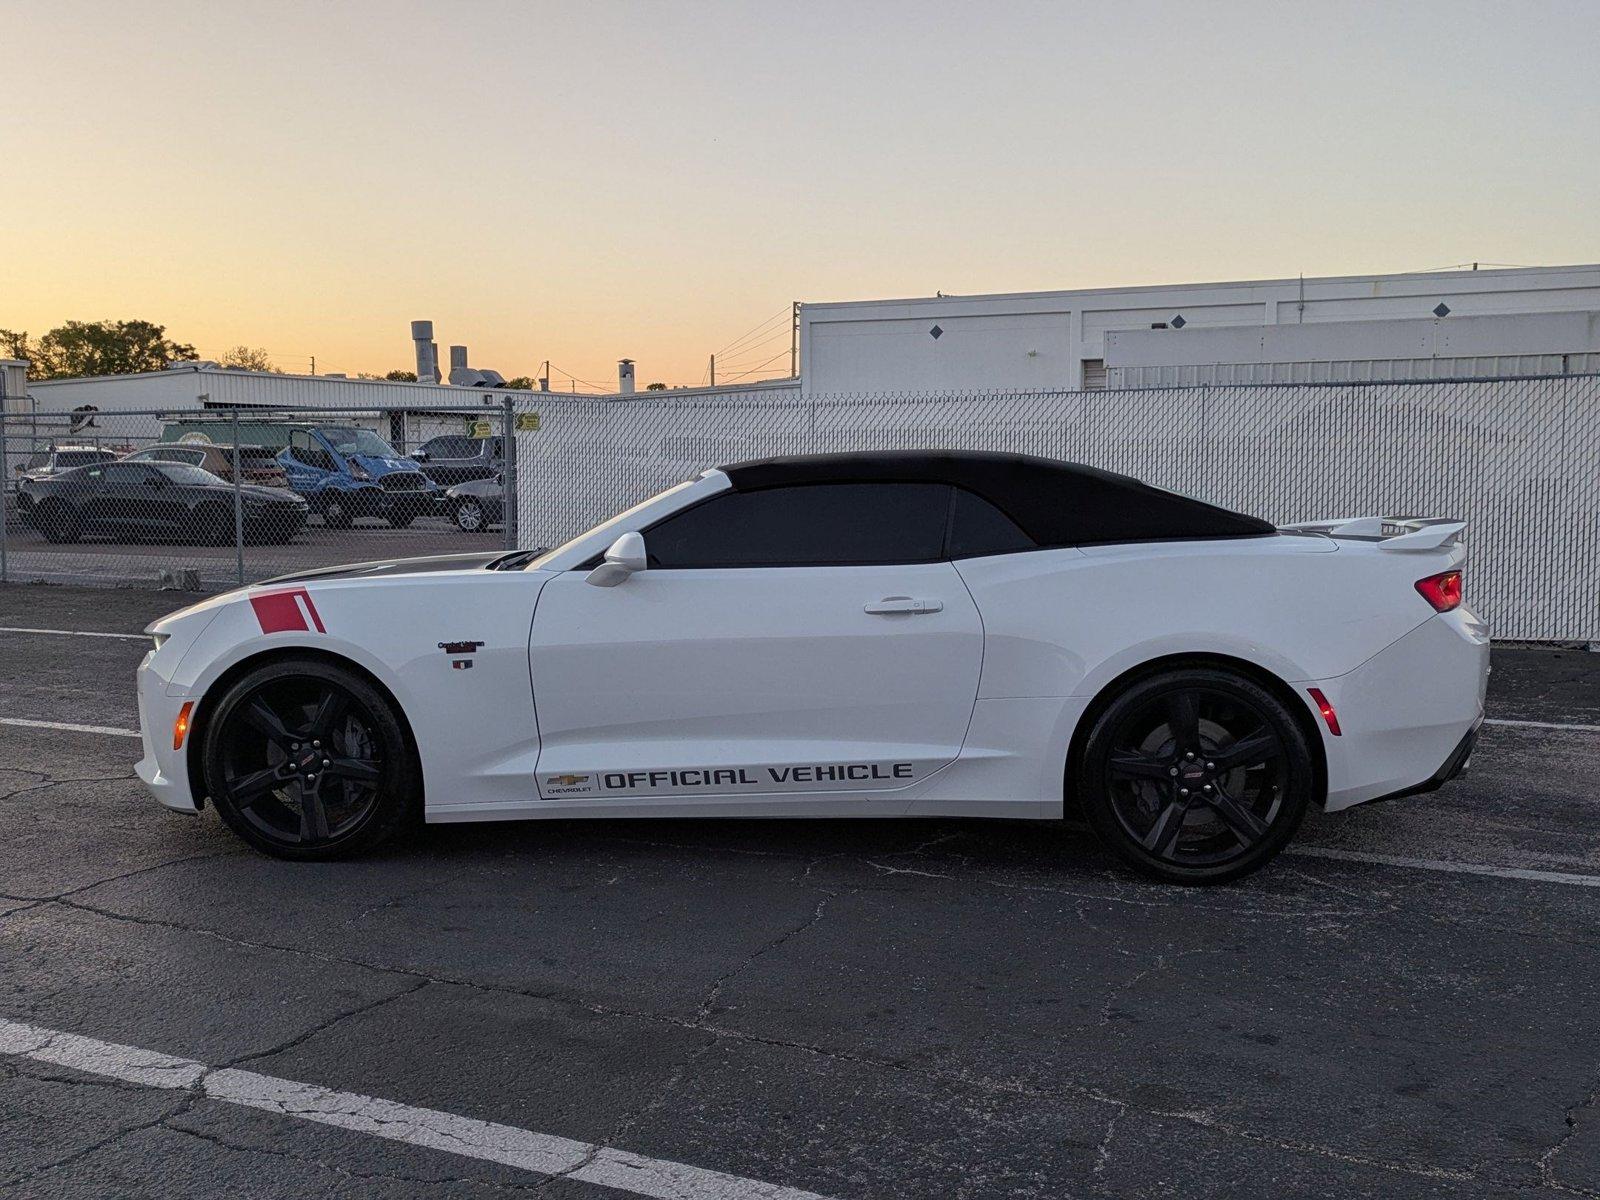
1391	533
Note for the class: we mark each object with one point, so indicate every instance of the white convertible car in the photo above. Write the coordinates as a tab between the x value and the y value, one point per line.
919	633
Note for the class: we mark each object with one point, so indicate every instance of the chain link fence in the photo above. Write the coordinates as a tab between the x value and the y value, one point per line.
1517	458
212	498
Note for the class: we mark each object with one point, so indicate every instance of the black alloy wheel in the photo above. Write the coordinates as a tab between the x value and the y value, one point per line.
213	525
306	760
57	520
336	513
1196	776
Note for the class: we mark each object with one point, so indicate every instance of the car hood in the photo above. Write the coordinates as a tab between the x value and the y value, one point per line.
378	465
267	495
394	566
477	487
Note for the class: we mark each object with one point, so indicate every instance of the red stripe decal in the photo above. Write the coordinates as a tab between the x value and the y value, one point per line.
286	612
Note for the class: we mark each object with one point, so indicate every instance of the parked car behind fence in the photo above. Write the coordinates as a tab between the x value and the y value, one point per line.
259	464
172	501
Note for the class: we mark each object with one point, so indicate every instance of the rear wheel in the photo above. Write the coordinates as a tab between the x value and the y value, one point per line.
306	760
1196	775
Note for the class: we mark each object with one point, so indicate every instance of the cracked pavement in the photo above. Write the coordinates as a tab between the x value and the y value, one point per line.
865	1010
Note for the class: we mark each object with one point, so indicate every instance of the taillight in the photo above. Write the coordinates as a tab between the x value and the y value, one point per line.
1443	590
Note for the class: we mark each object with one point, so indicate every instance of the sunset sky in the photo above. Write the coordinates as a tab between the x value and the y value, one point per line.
586	181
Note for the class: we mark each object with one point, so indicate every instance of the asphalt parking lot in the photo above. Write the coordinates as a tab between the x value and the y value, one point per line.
1407	1004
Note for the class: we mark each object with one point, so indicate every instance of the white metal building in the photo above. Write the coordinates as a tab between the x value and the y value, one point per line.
202	385
1059	340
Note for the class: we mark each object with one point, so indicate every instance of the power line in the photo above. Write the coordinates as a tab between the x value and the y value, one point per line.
784	353
759	328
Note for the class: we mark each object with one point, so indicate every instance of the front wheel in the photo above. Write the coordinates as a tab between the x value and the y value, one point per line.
470	516
1196	776
307	760
58	522
336	513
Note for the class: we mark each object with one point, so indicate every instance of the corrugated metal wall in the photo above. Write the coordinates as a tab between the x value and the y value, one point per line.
1372	370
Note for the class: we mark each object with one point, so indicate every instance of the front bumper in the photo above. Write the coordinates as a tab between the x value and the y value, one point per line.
163	770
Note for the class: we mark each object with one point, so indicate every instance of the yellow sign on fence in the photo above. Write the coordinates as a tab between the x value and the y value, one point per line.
528	422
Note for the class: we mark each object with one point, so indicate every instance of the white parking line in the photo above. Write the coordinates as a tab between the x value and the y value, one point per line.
129	637
69	727
1542	725
542	1153
1457	868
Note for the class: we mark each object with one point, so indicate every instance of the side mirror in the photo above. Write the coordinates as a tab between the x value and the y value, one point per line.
625	556
420	455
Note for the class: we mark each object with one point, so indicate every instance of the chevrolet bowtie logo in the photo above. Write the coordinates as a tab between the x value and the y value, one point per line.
569	780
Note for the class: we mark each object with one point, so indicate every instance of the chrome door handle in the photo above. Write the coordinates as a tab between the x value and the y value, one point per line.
903	604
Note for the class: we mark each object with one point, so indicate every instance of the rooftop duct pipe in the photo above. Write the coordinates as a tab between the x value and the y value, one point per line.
427	352
625	376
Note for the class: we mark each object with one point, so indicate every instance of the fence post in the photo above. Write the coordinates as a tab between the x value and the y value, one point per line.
5	475
238	499
508	473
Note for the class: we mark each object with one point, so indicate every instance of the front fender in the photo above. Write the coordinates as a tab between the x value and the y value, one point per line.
474	726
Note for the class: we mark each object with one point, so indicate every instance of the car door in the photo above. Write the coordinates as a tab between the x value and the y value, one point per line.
132	497
799	641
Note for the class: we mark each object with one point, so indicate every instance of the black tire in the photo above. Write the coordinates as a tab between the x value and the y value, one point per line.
213	525
399	518
58	522
470	516
1196	775
336	512
266	761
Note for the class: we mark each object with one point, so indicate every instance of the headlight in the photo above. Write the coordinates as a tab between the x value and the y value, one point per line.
357	471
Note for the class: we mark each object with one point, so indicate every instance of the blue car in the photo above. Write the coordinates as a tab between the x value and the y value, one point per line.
345	472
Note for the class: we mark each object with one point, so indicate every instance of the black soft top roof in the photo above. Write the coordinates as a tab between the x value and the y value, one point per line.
1055	503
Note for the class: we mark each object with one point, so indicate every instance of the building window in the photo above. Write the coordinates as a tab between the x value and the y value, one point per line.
1094	374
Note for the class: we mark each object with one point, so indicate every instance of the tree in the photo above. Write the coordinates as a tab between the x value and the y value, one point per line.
101	348
249	358
521	383
401	376
655	387
14	345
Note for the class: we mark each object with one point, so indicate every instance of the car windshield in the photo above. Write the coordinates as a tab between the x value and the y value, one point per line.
349	441
190	476
620	519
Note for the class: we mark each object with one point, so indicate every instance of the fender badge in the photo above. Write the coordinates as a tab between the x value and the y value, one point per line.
460	647
461	664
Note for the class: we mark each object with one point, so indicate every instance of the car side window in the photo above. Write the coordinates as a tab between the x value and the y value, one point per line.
978	528
305	448
125	474
825	524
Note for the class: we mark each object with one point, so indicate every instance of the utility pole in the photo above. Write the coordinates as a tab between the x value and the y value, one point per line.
713	370
794	340
313	364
